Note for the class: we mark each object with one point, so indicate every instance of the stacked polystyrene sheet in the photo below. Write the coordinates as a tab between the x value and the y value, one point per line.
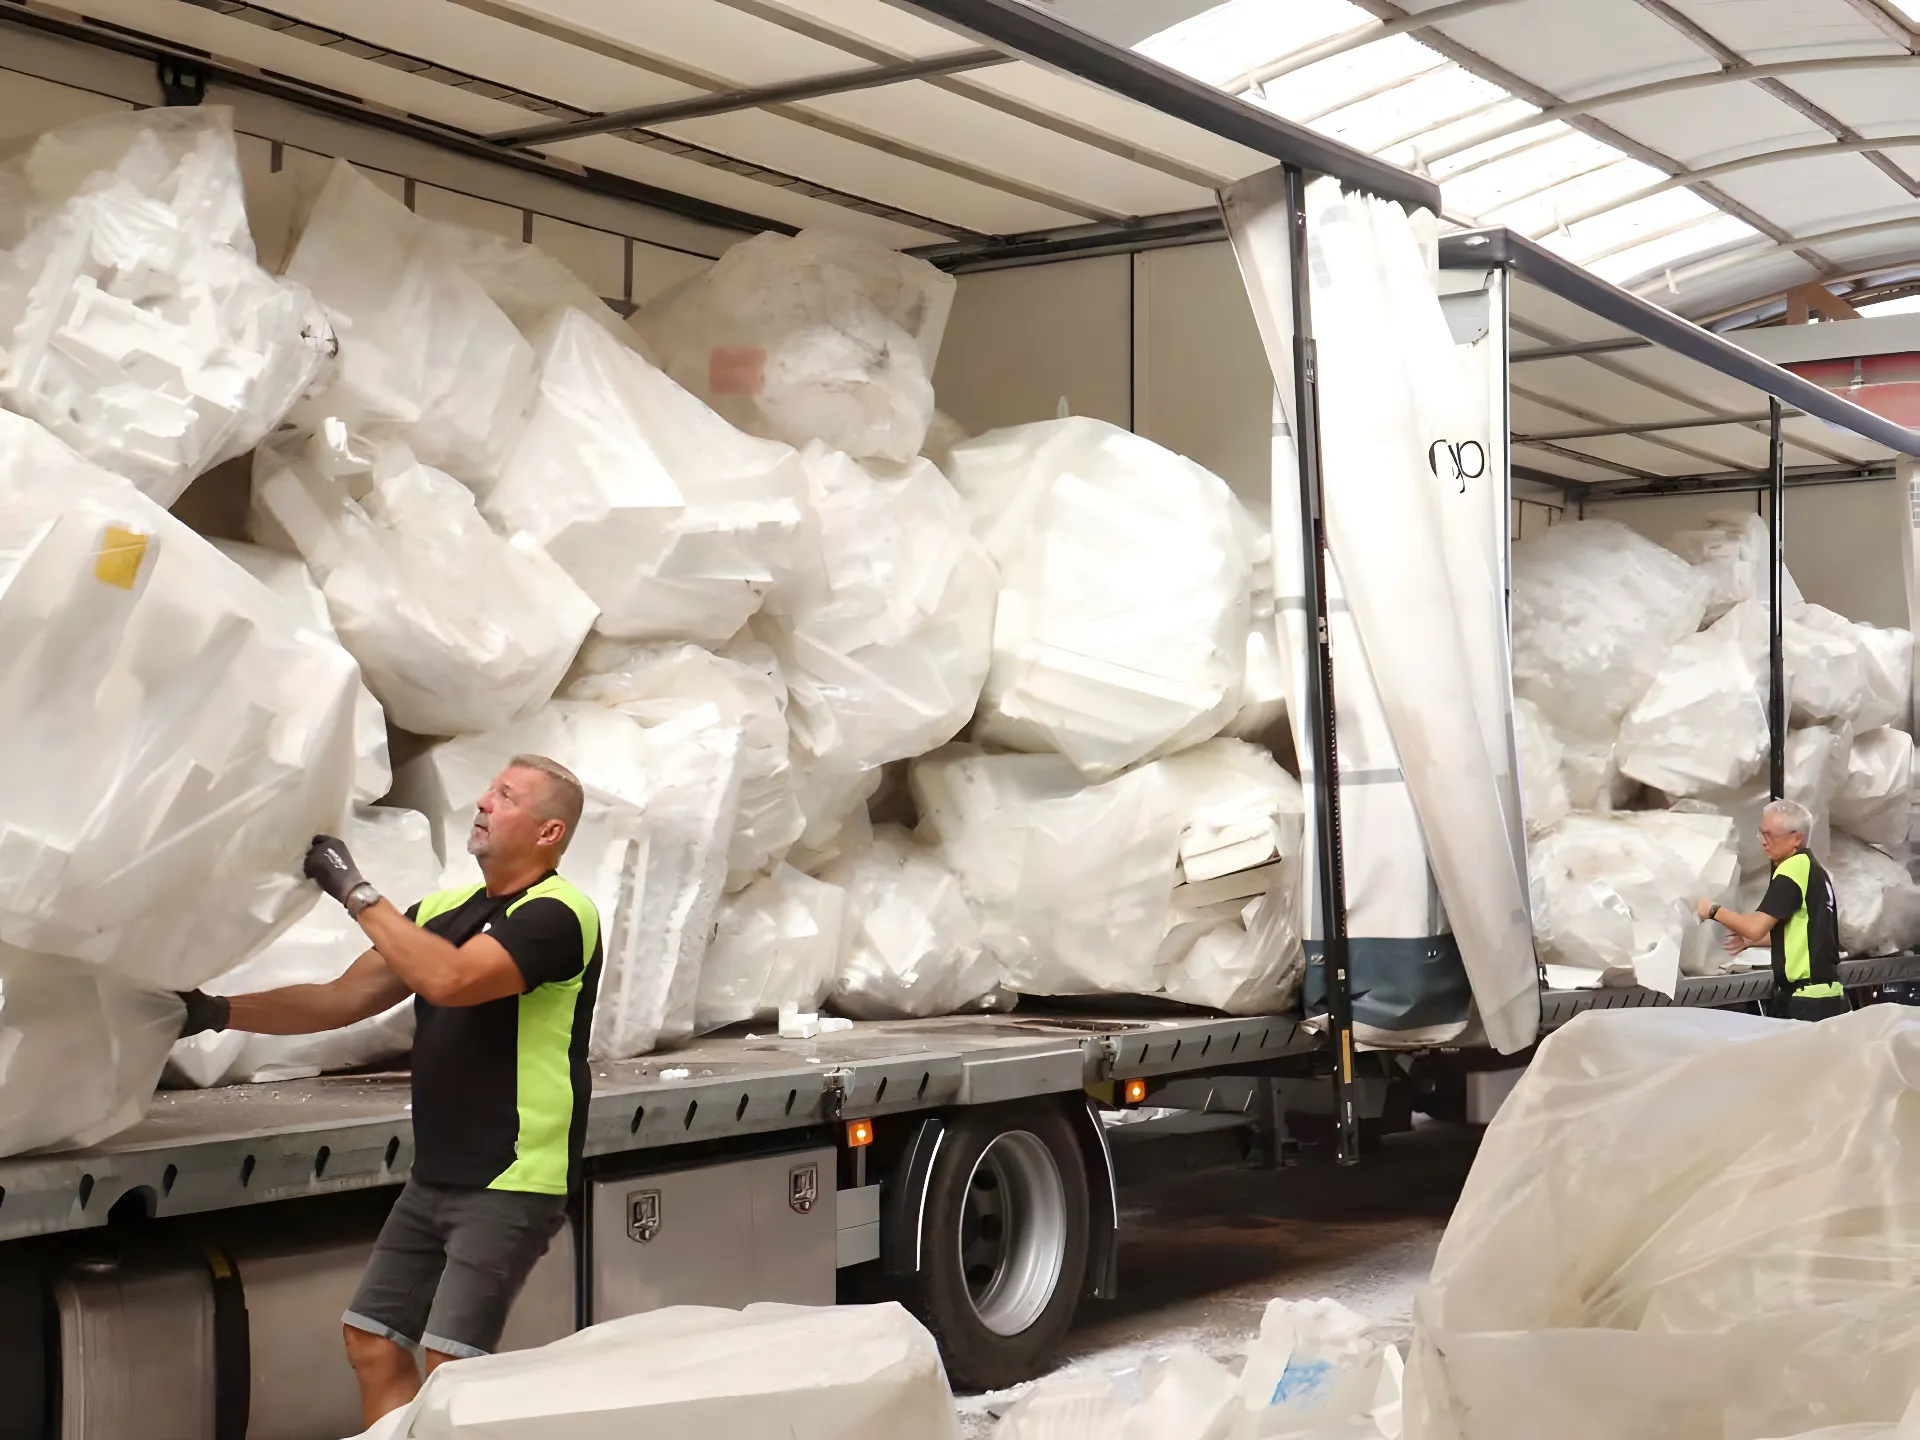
884	643
777	943
288	577
1748	1274
674	522
175	734
134	321
1071	881
394	850
820	336
1817	759
651	849
914	946
426	356
658	683
457	630
1125	579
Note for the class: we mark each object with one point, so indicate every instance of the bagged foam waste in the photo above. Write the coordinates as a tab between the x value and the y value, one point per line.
1543	785
1732	551
833	804
175	735
80	1051
850	1372
1877	794
651	850
1122	625
426	356
1262	716
674	522
1817	758
1596	608
1886	660
394	850
528	284
943	433
913	945
777	943
1070	880
1701	724
288	577
1748	1275
819	336
135	322
885	645
456	630
1239	808
1826	666
1877	901
657	683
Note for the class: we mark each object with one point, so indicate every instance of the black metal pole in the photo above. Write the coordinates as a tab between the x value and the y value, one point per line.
1776	608
1320	710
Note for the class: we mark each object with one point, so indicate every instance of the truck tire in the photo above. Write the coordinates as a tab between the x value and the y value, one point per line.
1004	1251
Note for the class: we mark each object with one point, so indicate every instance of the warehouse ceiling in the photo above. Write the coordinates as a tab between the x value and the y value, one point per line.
1703	153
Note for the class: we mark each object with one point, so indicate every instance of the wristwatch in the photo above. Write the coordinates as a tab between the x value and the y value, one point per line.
1713	914
359	898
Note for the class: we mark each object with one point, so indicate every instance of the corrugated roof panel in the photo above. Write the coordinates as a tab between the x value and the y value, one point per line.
1230	39
1705	236
1425	104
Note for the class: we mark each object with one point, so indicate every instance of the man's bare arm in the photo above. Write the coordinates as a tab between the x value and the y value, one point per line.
367	987
1754	929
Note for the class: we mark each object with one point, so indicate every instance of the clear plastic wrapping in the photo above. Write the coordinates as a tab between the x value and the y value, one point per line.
528	284
674	522
1543	784
1748	1274
818	336
1827	670
883	642
777	943
456	629
134	321
80	1051
394	850
656	683
175	736
1701	724
1875	798
1886	661
1121	631
1732	552
914	946
1878	902
425	355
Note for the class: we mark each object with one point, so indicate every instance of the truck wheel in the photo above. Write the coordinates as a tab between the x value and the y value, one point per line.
1005	1247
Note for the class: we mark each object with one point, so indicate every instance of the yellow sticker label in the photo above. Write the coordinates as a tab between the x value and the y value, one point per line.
117	562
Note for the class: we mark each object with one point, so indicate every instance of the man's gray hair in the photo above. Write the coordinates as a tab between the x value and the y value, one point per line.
564	799
1793	817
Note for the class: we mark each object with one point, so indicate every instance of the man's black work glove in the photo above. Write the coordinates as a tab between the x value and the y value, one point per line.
204	1012
331	868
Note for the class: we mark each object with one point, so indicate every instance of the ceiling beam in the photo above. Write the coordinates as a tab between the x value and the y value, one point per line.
1354	39
1895	26
1733	259
1643	427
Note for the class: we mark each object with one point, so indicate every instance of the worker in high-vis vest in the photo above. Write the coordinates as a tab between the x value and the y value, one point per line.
503	973
1798	917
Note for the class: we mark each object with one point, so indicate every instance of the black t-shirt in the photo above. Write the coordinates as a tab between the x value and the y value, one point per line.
1806	931
500	1090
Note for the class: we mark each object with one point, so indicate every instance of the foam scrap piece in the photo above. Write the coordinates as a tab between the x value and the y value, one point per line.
777	944
457	630
884	644
426	356
135	322
175	735
674	522
819	336
1701	724
914	947
1236	802
1121	632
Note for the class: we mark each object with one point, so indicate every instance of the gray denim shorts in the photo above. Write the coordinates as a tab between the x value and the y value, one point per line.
449	1264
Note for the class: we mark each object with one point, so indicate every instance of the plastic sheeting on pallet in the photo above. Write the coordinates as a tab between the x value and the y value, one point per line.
776	943
425	355
852	1372
1125	572
1070	881
1701	724
651	850
1874	800
288	577
134	321
914	946
80	1051
175	736
1749	1274
884	644
818	336
674	522
394	850
1877	901
456	629
656	683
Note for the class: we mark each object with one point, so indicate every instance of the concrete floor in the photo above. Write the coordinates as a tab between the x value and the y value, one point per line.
1200	1257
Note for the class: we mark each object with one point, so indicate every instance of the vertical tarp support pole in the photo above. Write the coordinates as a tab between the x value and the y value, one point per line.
1321	722
1776	607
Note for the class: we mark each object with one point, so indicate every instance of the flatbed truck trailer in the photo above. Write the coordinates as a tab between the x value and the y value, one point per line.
185	1278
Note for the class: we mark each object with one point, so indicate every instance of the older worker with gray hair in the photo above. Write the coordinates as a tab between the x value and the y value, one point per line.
1797	917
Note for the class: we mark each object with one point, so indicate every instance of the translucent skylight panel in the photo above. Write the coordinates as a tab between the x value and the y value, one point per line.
1709	236
1905	305
1536	137
1526	172
1559	207
1328	85
1412	109
1412	153
1908	8
1619	228
1229	40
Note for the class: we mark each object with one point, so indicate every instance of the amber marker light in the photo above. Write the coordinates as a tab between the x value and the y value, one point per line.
859	1132
1136	1091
